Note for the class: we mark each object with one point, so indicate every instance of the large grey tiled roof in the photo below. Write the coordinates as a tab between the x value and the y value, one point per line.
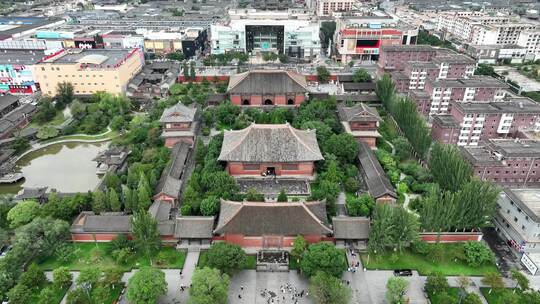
107	223
373	174
265	218
358	112
267	82
196	227
178	113
170	182
350	228
160	210
270	143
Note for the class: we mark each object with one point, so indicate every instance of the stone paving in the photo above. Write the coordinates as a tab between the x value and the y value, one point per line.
254	282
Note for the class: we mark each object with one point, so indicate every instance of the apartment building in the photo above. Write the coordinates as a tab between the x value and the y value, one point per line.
89	70
327	7
495	53
518	219
469	123
437	94
506	162
409	73
361	37
291	32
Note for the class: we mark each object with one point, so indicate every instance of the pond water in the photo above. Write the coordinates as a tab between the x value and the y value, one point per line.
66	167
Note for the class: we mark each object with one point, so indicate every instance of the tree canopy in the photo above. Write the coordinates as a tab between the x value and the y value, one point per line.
323	257
228	258
146	286
23	213
145	233
209	286
326	289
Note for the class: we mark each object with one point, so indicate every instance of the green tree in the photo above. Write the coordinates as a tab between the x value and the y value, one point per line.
114	201
100	294
78	296
78	109
209	286
395	290
344	146
450	170
299	247
323	75
403	148
47	131
192	70
326	289
472	298
493	280
385	90
99	202
228	258
176	56
145	233
484	69
20	294
359	206
90	275
477	253
143	198
200	151
62	278
64	94
22	213
33	277
47	296
323	257
252	195
436	283
361	75
146	286
521	279
282	196
210	205
392	228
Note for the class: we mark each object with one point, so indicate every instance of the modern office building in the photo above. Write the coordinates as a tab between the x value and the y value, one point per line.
327	7
89	71
291	32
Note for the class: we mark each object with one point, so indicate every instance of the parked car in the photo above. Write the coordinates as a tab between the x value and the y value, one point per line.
402	272
4	250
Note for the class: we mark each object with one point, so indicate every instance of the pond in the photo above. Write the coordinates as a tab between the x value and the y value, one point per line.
66	167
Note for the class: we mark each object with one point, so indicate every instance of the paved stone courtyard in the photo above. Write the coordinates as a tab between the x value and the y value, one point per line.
270	185
255	282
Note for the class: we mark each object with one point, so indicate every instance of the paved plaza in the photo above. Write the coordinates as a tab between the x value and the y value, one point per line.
254	283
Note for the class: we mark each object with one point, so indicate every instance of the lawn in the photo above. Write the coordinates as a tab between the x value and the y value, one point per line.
56	121
108	135
424	265
97	254
452	291
495	297
251	261
58	293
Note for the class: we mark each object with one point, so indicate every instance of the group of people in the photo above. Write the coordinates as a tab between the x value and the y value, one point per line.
289	294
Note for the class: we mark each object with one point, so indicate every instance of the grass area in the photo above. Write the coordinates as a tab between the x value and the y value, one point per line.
251	261
436	299
97	254
447	265
56	121
496	295
58	293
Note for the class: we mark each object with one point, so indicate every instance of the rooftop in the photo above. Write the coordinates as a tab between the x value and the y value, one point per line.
171	179
528	199
270	143
267	82
265	218
350	228
408	48
377	182
494	151
104	57
178	113
358	112
474	81
445	120
22	57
